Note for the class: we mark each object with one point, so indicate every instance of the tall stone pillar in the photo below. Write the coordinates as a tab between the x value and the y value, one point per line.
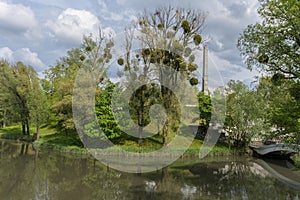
205	71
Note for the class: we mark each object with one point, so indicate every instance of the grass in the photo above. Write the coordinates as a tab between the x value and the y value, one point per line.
65	143
50	139
13	133
150	145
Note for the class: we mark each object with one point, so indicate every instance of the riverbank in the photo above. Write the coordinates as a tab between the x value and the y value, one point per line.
51	140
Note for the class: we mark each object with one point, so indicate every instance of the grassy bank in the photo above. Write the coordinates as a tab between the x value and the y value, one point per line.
60	142
50	139
192	151
13	133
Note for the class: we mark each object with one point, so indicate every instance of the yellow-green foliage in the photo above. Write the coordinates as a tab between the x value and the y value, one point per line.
197	39
185	25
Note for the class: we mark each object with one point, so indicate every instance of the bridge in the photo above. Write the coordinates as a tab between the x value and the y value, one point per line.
277	150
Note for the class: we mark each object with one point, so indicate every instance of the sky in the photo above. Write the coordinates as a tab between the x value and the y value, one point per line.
39	32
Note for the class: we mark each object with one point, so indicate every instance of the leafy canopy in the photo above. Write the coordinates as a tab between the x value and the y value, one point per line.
273	45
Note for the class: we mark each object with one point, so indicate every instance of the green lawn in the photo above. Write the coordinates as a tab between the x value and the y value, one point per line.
51	139
12	132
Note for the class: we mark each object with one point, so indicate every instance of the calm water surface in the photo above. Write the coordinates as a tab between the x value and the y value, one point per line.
27	174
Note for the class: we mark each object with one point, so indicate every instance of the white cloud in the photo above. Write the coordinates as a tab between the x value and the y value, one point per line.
220	71
16	17
6	54
51	27
102	4
225	21
28	57
121	2
140	5
109	32
115	13
24	55
72	24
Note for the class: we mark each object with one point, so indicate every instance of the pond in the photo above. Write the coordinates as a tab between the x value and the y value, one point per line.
28	174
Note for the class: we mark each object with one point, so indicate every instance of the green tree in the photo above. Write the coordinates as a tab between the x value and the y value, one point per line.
38	106
245	111
93	55
58	83
170	39
268	112
205	106
282	108
7	110
22	91
273	45
218	100
104	112
139	106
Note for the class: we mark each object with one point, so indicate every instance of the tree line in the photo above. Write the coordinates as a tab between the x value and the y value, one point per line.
175	37
170	39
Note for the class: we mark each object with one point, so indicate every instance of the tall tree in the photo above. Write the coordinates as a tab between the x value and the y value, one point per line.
20	83
140	103
14	80
59	83
104	112
281	107
205	106
170	39
273	45
38	105
244	114
7	108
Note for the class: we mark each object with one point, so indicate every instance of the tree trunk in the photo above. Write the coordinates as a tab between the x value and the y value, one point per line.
141	117
23	127
4	119
165	140
27	127
165	127
140	134
37	130
165	133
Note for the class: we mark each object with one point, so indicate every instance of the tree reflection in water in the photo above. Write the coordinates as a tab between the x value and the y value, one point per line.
24	174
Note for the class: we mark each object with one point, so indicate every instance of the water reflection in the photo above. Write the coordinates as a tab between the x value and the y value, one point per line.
28	174
243	179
